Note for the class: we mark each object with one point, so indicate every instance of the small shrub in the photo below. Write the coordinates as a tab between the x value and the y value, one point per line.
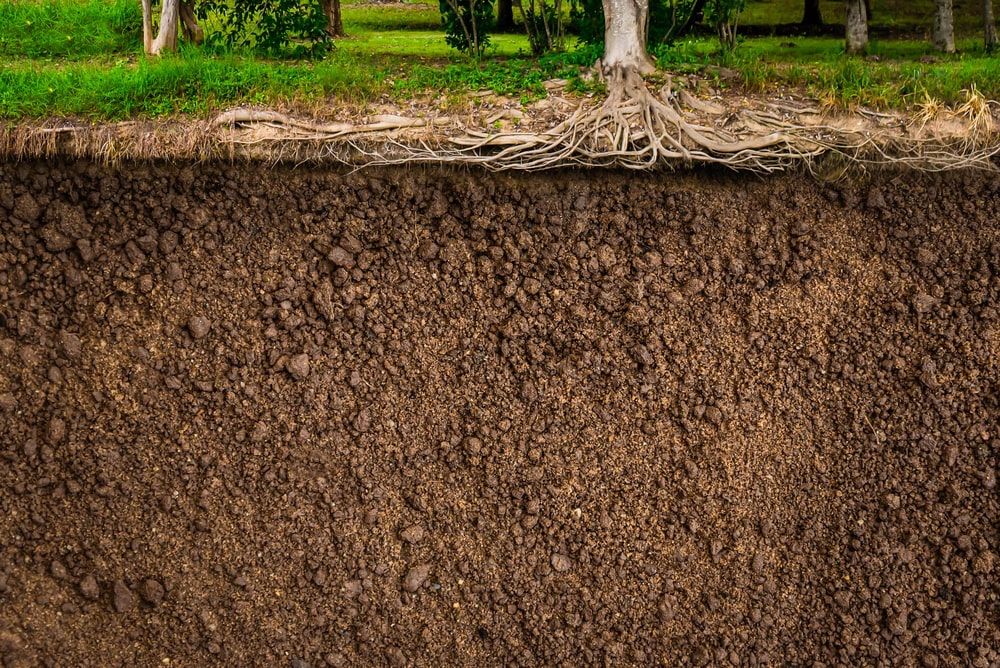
467	24
544	25
294	28
724	17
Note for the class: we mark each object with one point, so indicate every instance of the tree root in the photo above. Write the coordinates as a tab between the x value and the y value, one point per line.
637	129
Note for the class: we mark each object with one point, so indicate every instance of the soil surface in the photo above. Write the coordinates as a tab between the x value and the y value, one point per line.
412	417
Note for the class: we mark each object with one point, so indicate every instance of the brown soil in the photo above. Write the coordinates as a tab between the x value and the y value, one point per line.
290	418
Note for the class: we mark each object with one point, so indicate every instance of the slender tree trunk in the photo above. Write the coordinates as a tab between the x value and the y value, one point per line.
625	23
812	15
147	26
334	21
989	27
166	38
189	23
944	26
505	15
857	27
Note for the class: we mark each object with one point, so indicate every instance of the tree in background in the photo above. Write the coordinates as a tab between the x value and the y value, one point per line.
812	15
166	36
944	26
857	27
989	27
174	15
668	20
334	21
505	15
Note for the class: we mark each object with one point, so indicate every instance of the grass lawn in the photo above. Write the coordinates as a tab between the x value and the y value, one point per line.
81	58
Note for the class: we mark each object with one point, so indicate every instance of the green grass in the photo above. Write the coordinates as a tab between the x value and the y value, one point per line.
902	16
891	76
71	29
400	51
196	84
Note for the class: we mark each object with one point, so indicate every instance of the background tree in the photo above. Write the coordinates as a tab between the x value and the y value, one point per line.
812	15
166	36
857	27
334	21
944	26
989	27
505	15
189	23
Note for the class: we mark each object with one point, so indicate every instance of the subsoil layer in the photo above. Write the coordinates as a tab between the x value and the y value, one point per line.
281	417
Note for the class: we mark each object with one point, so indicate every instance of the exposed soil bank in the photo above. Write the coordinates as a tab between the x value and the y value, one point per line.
294	418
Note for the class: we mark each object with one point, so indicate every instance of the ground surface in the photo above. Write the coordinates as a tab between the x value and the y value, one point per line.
257	417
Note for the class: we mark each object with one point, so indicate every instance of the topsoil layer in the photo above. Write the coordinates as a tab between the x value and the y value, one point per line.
298	418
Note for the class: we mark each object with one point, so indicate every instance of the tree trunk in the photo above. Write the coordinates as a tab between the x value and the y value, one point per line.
944	26
334	21
625	23
812	15
166	38
147	26
857	27
989	27
189	23
505	15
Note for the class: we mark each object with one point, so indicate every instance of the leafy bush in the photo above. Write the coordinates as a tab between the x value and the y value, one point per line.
724	17
544	25
467	24
294	28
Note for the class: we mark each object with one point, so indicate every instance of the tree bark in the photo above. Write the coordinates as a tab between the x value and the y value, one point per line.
812	15
334	21
857	27
189	23
625	24
944	26
505	15
166	38
147	26
989	27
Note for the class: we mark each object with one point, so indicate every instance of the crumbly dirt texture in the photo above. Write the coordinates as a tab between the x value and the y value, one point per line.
276	417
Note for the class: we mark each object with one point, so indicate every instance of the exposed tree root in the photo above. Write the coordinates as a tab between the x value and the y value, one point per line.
638	129
633	127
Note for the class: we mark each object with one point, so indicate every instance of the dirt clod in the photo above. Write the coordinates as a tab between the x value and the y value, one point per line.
89	587
412	534
561	562
199	326
124	599
298	366
416	577
151	591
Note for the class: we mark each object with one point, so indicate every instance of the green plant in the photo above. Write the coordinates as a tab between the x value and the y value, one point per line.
544	25
724	17
467	24
296	28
